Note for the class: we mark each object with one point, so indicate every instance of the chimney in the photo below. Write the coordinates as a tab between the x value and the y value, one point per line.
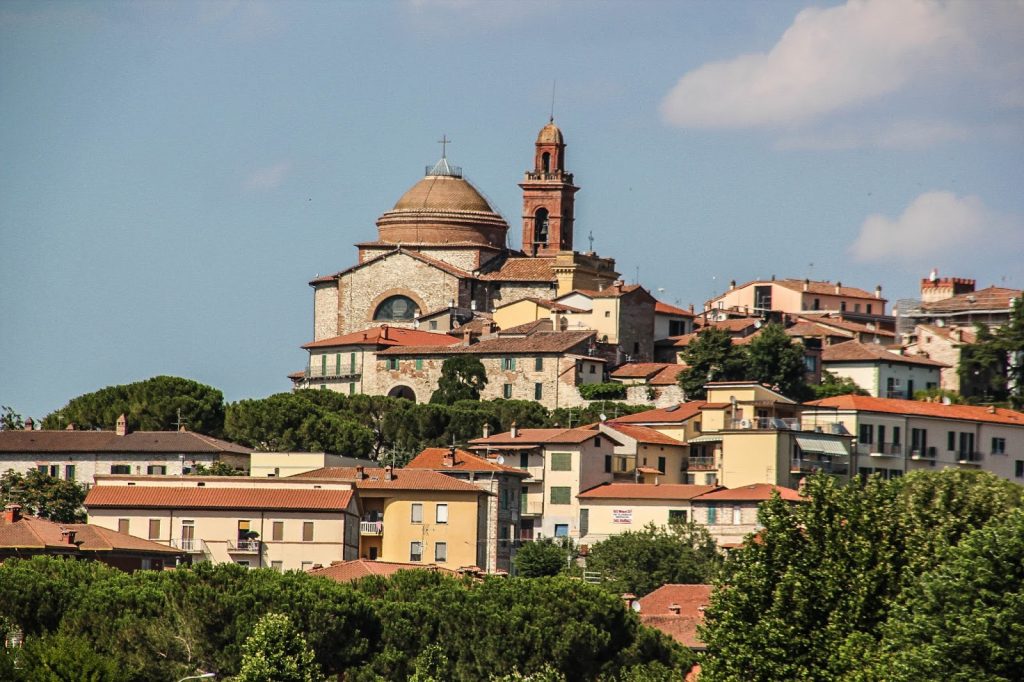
467	336
29	424
514	430
12	512
878	291
388	473
70	426
732	284
122	425
839	285
67	537
691	307
360	473
449	457
807	284
674	609
773	278
181	428
384	332
487	430
991	409
628	598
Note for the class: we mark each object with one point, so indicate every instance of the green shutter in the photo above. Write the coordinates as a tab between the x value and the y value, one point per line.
419	363
561	461
323	365
337	364
352	363
560	494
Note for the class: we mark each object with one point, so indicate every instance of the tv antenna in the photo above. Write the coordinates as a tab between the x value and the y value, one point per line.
551	117
590	238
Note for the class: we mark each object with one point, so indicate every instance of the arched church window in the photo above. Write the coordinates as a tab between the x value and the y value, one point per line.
396	308
540	226
545	162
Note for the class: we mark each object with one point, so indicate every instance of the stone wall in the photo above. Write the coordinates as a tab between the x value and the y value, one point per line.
510	292
325	310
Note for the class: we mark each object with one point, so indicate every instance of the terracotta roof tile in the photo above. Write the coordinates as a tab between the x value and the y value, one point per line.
642	370
30	532
691	601
806	328
522	270
666	309
537	437
348	571
855	351
995	415
166	497
396	336
646	491
402	479
846	325
673	414
822	288
967	335
433	458
643	434
536	343
758	492
174	442
992	298
527	328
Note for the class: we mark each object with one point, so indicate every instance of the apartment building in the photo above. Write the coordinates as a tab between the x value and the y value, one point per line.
256	522
613	508
795	296
730	514
881	372
894	437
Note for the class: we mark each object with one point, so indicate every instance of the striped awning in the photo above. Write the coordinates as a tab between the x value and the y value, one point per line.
821	444
709	438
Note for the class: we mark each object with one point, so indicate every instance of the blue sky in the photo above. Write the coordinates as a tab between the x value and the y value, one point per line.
173	174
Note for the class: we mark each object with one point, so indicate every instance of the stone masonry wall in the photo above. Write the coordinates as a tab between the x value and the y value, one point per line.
325	310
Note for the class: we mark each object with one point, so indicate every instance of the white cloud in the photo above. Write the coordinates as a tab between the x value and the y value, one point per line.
903	135
935	225
269	177
841	60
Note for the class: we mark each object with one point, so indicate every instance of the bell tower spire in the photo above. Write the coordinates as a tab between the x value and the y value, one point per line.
548	197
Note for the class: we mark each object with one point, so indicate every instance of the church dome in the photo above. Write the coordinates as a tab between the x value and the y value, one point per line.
550	134
443	207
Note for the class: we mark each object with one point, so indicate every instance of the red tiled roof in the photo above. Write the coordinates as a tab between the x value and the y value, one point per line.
544	303
855	351
522	270
829	321
918	408
642	434
666	309
527	328
646	491
673	414
758	492
992	298
805	328
30	532
402	479
169	442
641	370
396	336
537	437
822	288
433	458
534	344
691	600
967	335
181	497
348	571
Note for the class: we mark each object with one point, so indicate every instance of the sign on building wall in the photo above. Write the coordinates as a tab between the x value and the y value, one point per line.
622	516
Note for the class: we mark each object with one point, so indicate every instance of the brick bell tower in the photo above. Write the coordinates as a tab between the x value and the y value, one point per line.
548	197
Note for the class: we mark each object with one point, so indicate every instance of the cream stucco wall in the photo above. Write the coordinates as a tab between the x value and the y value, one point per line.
874	377
607	517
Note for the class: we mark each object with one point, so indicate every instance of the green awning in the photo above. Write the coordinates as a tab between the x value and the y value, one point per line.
821	445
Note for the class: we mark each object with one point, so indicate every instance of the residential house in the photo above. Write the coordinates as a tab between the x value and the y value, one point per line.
652	383
676	610
257	522
414	515
82	455
622	315
942	344
895	437
730	514
954	302
682	423
23	536
530	309
648	452
283	464
671	321
881	372
504	483
561	463
795	296
612	508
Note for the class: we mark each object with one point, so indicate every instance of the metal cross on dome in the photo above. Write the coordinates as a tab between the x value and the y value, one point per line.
444	142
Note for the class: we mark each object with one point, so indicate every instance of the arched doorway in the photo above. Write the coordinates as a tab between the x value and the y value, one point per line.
401	391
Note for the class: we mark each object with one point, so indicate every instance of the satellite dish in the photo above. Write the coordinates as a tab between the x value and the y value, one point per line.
500	459
636	606
604	417
758	324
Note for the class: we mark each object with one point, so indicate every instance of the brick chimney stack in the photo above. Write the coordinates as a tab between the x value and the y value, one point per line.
67	537
12	512
487	430
122	426
449	457
514	431
384	332
360	473
389	474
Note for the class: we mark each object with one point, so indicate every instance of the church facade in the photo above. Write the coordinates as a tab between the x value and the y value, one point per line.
442	255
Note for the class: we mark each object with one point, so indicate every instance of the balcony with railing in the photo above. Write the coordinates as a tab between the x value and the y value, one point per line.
533	508
701	464
924	454
333	372
825	465
190	545
244	546
881	449
560	176
969	458
766	424
371	527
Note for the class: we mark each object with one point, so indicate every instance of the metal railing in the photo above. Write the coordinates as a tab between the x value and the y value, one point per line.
924	453
827	466
329	373
767	424
244	546
969	457
190	545
701	463
557	175
371	527
881	450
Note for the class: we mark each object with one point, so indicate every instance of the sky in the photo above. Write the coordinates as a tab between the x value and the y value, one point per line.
172	174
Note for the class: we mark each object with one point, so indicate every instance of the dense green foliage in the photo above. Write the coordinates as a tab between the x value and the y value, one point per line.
992	368
162	626
832	385
43	495
277	652
813	597
711	356
462	378
776	360
150	405
10	420
540	558
642	561
607	391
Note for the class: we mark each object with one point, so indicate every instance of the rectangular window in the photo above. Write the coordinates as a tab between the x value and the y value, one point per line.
524	460
538	364
441	515
896	435
508	363
842	306
522	500
415	551
156	470
676	516
561	530
593	369
737	516
120	469
419	363
712	515
810	363
506	391
69	472
919	440
661	464
433	324
998	446
42	468
856	307
951	441
1018	468
561	494
869	308
440	552
607	464
881	435
392	363
561	461
817	304
865	433
538	391
337	364
352	389
277	566
154	529
417	513
306	565
123	526
243	562
584	522
307	531
277	531
352	363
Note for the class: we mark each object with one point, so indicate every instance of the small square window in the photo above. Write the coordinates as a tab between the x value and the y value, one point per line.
561	530
415	551
123	526
440	552
561	495
538	364
561	461
442	513
392	363
307	531
417	513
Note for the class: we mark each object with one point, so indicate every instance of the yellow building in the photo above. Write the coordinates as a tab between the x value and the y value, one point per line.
255	522
414	515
